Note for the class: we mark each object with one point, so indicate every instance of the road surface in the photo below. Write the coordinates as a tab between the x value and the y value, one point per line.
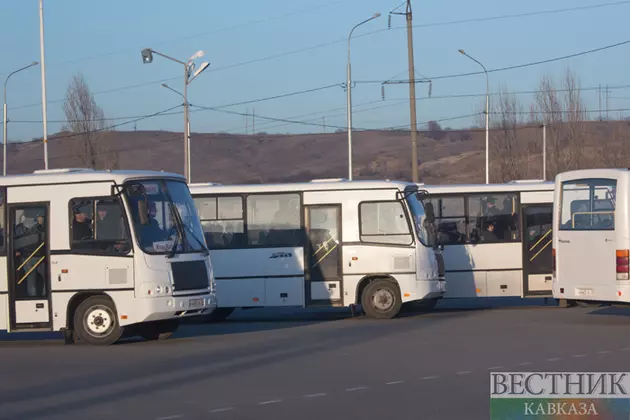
299	364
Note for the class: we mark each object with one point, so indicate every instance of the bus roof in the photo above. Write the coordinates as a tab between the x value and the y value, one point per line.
81	175
590	173
521	185
315	185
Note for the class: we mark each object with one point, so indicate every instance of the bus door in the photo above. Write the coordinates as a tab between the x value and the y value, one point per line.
537	249
28	267
324	272
586	246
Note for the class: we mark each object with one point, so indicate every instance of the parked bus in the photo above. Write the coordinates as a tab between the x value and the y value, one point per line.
326	242
496	237
96	254
591	236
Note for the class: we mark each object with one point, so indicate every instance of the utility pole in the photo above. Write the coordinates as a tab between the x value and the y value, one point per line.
254	121
412	92
246	120
607	101
43	70
599	94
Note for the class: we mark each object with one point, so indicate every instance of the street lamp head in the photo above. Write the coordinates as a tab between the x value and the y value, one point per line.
147	56
34	63
462	52
201	68
165	85
376	15
196	55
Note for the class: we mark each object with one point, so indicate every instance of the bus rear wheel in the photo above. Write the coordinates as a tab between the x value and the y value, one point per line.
158	330
381	299
96	321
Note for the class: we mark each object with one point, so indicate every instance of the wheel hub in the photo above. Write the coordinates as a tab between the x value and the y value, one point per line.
98	321
383	300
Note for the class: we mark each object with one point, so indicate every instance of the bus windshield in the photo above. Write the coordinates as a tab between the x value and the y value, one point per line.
164	217
426	231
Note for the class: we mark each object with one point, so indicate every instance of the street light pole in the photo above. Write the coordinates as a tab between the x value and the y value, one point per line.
5	118
487	113
545	152
349	96
147	57
43	67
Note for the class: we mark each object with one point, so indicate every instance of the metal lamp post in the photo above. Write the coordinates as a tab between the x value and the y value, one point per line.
5	120
349	96
487	112
189	75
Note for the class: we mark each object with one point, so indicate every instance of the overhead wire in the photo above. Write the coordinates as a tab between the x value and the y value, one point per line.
321	45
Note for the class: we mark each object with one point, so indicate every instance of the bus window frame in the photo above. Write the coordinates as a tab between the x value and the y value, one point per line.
465	196
245	243
94	199
411	231
592	183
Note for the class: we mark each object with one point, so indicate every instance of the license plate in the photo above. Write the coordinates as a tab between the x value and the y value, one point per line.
195	303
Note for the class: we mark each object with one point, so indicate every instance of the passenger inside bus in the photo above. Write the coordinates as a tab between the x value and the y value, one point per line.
81	225
29	236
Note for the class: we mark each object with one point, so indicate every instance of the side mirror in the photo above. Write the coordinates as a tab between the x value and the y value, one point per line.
430	213
143	211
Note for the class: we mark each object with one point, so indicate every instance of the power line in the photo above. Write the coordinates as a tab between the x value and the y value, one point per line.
310	48
144	117
131	117
202	34
517	66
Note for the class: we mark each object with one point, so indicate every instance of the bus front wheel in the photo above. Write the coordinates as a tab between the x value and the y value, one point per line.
381	299
96	321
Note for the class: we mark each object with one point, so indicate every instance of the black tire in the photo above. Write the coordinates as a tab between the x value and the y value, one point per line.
158	330
96	321
219	314
565	303
424	305
381	299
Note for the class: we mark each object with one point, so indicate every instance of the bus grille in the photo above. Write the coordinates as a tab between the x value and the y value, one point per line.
189	275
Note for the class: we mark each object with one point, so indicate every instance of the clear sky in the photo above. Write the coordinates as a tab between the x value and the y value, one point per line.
103	40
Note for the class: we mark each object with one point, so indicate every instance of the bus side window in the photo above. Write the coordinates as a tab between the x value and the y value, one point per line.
98	225
222	221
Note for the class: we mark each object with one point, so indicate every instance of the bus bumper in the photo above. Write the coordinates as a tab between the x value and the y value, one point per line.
431	289
178	307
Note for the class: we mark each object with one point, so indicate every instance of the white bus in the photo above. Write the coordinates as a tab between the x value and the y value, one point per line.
96	254
496	237
591	236
324	242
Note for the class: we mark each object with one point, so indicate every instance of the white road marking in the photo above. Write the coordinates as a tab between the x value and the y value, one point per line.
429	377
394	382
604	352
358	388
626	349
176	416
496	367
269	402
579	355
219	410
321	394
525	363
554	359
463	372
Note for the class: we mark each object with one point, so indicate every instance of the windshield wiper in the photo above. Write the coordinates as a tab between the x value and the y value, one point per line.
204	248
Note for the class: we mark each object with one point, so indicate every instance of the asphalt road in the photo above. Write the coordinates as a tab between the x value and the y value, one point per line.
314	364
